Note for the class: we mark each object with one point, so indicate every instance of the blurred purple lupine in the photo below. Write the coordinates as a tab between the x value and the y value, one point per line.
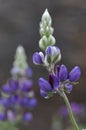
2	116
76	108
27	117
17	94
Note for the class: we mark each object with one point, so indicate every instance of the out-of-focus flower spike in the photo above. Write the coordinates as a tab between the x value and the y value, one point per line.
20	64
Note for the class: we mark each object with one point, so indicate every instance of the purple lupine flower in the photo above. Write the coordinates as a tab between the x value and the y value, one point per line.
26	85
38	58
52	54
2	116
63	73
24	102
13	85
27	117
63	76
32	102
13	99
6	89
59	80
29	72
5	102
75	74
48	86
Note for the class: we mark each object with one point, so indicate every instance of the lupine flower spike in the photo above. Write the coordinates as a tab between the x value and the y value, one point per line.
17	95
60	80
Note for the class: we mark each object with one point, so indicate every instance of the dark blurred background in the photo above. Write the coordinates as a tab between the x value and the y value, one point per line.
19	24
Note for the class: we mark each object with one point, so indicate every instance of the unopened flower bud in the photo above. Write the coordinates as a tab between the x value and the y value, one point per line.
51	40
75	74
43	42
46	17
46	31
52	54
38	58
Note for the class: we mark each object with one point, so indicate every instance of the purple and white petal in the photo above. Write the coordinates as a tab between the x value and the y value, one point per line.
38	58
69	87
43	93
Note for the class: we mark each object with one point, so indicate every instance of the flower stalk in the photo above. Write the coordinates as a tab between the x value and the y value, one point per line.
61	80
70	111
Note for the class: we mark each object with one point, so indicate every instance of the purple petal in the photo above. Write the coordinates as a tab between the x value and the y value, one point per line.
44	85
55	51
48	50
43	93
51	79
24	101
2	116
27	117
63	73
56	84
6	89
52	51
69	87
29	72
57	70
75	74
26	85
32	102
5	102
13	99
37	59
13	85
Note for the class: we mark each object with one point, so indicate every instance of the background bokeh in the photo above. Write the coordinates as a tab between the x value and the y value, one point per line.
19	24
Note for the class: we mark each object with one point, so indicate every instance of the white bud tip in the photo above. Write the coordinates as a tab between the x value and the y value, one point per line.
46	13
20	49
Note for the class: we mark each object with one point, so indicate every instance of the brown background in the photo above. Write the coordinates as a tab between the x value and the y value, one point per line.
19	24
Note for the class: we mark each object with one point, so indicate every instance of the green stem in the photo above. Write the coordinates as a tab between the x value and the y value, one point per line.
70	111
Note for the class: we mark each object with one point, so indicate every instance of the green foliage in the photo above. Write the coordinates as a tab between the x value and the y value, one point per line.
6	125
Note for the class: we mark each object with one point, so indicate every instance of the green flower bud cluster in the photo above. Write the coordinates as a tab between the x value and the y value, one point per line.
20	64
20	58
46	31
